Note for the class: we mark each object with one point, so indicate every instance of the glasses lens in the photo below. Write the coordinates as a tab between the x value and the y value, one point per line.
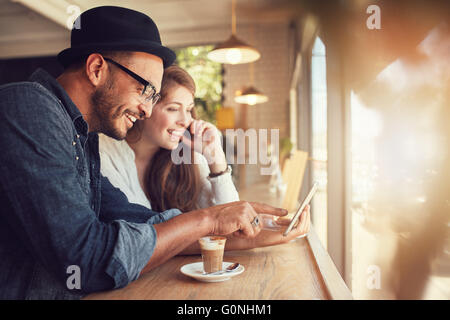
150	95
156	98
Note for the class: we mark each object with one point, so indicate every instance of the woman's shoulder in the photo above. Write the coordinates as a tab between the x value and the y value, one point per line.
108	143
114	148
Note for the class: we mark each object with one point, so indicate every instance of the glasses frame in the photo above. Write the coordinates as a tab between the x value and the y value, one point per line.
149	91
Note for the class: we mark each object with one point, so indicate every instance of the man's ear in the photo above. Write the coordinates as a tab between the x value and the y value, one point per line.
96	69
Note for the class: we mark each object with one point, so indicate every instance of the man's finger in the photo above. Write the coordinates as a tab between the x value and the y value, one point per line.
256	222
265	208
246	230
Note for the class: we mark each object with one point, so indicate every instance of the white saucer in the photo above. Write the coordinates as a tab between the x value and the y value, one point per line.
195	270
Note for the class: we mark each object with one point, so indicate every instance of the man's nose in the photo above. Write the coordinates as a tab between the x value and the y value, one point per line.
145	111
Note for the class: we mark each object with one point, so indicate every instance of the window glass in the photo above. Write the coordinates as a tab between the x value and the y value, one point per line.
319	138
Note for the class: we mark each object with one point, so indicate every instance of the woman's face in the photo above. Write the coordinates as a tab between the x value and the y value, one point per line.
170	118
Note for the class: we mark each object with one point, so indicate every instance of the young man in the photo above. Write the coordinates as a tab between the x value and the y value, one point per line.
59	215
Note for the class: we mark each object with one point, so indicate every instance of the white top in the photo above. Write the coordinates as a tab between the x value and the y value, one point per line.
117	164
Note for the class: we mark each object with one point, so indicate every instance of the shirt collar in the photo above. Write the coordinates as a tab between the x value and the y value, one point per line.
45	79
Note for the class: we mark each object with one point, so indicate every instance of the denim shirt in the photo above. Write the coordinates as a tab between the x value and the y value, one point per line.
65	231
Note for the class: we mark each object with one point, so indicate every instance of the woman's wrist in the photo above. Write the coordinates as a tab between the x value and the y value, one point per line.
217	161
213	175
217	169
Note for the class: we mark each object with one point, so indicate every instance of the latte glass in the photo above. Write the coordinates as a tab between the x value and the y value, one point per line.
212	248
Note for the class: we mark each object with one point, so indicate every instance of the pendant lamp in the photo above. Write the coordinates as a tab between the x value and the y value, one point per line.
233	50
249	94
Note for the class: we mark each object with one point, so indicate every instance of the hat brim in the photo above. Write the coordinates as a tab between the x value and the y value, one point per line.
68	55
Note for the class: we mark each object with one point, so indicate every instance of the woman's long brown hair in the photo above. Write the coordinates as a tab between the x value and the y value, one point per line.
170	185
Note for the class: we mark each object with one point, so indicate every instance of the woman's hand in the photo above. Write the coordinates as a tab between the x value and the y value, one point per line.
269	237
206	139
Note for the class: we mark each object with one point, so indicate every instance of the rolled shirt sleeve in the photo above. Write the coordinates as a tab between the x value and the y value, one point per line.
134	247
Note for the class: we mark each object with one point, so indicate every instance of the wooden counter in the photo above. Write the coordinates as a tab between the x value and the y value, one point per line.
301	269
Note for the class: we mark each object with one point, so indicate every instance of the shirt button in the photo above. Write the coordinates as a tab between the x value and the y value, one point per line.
78	136
74	143
76	158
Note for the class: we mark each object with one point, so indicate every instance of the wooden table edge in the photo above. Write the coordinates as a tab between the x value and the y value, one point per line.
335	285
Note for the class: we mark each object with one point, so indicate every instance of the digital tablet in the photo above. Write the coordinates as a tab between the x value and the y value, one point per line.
301	208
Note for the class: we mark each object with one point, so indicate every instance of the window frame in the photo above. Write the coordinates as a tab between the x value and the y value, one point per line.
339	232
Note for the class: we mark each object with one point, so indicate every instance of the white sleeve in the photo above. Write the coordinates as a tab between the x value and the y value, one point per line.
217	190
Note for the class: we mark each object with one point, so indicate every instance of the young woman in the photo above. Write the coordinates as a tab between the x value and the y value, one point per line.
141	166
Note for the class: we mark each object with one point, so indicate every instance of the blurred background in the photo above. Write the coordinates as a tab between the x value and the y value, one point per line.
360	86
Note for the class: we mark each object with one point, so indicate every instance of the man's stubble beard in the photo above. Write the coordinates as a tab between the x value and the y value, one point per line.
105	111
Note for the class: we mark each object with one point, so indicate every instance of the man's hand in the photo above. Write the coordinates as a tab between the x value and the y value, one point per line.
236	218
265	237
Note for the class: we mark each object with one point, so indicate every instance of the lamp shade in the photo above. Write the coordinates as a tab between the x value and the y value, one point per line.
250	95
225	118
234	51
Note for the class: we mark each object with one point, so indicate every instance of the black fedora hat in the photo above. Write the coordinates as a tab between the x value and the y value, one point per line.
110	28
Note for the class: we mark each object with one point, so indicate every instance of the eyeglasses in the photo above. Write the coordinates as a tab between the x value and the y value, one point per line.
149	92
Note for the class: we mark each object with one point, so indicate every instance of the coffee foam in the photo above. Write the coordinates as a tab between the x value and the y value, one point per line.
212	243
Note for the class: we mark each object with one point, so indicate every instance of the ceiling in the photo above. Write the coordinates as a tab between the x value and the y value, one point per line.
24	24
